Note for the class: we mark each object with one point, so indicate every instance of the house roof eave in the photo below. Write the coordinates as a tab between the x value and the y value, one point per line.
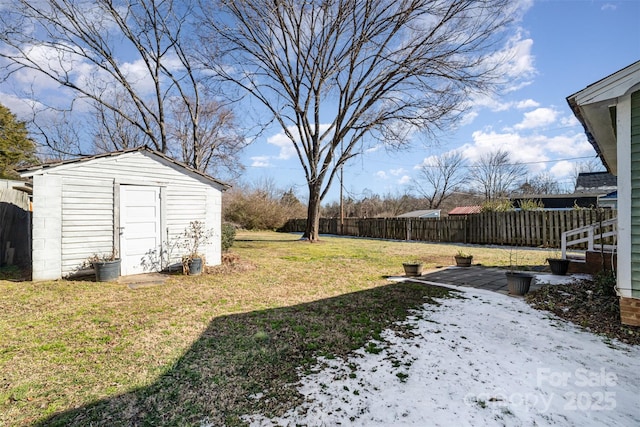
591	106
577	111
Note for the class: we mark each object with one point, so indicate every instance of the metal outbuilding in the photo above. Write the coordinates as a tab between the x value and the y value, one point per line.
136	202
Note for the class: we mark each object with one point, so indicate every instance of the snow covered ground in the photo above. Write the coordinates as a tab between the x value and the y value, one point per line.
486	360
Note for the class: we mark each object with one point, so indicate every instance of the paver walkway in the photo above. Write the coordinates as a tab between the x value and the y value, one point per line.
144	280
492	279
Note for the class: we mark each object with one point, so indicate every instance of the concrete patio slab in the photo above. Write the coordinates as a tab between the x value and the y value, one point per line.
492	279
145	280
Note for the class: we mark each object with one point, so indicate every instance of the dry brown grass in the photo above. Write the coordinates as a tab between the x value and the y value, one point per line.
197	347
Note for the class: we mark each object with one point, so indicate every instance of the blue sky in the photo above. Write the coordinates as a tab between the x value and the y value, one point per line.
559	48
562	46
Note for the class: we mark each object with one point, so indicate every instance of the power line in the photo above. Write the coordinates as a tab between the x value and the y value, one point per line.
506	164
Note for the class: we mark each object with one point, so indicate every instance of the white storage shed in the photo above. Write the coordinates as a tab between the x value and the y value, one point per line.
137	202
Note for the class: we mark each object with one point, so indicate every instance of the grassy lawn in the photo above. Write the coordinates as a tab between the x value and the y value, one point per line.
81	353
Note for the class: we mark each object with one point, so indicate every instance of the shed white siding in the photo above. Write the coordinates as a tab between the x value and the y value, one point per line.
76	208
87	220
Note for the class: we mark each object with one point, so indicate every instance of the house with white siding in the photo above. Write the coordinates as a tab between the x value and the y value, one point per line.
609	111
136	202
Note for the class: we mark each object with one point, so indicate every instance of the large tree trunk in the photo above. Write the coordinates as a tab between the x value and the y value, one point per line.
313	215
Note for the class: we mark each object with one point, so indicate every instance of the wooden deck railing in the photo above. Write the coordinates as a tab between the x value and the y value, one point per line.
600	235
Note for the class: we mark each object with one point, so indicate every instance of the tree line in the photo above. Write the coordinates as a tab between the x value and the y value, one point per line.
444	183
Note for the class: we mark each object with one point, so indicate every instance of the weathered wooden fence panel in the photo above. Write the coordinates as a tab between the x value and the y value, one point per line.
514	228
15	226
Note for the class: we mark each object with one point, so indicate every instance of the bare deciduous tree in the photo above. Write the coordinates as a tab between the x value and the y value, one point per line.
218	145
542	183
340	75
111	130
496	174
132	61
439	177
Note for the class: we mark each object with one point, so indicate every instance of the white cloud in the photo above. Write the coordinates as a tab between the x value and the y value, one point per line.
468	118
22	108
406	179
49	58
537	118
137	73
427	161
521	59
536	150
569	121
609	6
515	62
562	169
285	145
400	172
281	140
521	149
496	105
260	162
487	101
373	149
569	145
527	103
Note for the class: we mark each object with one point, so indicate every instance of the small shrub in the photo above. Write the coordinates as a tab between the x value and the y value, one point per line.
260	207
531	205
605	283
497	206
228	236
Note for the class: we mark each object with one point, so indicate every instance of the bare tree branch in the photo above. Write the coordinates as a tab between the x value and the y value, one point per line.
439	177
496	174
341	75
133	61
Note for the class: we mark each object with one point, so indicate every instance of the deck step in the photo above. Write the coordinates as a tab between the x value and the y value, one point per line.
577	265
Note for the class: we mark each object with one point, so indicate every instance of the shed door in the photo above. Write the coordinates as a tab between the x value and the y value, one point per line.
139	228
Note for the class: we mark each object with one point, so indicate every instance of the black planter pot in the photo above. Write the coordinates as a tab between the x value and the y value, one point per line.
107	271
195	266
559	266
518	283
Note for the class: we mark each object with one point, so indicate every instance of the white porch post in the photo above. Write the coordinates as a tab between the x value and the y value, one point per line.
623	125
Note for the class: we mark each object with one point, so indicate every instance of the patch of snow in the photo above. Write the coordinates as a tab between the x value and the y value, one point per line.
488	359
552	279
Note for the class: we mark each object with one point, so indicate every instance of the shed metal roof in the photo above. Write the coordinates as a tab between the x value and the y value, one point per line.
465	210
421	213
43	167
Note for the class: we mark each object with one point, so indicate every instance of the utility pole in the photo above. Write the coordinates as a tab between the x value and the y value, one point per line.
341	201
341	195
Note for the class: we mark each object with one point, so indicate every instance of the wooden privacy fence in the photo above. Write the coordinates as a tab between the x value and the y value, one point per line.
15	226
516	228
